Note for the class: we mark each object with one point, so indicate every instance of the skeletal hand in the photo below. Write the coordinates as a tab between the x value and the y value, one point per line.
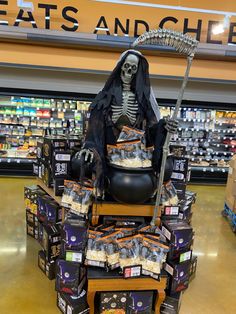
171	125
88	155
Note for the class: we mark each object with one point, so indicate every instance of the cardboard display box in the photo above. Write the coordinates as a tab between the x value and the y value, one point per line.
72	305
74	240
180	169
179	275
52	143
51	241
70	277
48	268
171	305
32	230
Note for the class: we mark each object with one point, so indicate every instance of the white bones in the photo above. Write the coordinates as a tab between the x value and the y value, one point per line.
129	106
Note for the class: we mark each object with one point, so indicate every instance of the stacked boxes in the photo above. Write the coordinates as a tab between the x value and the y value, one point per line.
53	161
180	175
68	304
180	237
43	218
71	274
31	205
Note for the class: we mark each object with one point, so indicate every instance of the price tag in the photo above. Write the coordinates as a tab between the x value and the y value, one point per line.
185	256
132	271
171	210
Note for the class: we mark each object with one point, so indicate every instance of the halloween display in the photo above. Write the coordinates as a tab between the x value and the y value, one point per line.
126	103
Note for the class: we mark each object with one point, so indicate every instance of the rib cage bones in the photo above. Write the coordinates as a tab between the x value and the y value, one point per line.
129	106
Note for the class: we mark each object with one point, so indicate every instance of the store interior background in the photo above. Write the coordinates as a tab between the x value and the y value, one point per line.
54	64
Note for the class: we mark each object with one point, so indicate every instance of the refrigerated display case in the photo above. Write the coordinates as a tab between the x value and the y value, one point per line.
25	120
206	130
208	136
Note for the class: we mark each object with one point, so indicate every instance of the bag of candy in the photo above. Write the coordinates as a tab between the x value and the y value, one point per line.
129	251
131	134
96	253
81	199
67	194
152	256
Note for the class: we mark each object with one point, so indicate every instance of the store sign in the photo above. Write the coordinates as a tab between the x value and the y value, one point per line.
118	17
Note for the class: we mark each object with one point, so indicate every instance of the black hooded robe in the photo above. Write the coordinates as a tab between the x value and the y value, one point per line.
101	129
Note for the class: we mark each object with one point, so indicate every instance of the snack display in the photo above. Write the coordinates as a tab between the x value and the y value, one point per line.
130	150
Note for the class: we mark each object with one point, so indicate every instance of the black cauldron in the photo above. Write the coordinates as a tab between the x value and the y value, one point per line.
134	185
131	185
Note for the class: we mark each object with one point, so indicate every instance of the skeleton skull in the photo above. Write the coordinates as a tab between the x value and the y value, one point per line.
129	68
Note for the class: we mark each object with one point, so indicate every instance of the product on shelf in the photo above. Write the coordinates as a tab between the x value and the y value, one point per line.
70	277
48	268
179	275
74	240
72	305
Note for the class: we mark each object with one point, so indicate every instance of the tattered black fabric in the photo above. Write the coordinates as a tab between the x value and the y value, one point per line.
101	129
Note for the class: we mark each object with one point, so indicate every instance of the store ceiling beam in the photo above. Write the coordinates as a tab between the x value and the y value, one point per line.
105	42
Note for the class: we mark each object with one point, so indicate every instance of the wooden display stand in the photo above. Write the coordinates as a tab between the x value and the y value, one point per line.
117	209
103	281
117	283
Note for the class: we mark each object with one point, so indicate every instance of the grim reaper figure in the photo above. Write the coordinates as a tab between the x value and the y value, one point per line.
126	100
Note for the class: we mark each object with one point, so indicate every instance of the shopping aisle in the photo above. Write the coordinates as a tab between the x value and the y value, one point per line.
25	290
213	291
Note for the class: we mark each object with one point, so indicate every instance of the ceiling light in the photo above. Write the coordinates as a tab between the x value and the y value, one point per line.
219	29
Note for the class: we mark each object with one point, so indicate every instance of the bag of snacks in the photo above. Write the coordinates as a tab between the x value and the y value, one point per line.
81	199
152	256
67	194
129	251
96	253
112	249
131	134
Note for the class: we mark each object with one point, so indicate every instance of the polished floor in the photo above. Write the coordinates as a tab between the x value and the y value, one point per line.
25	290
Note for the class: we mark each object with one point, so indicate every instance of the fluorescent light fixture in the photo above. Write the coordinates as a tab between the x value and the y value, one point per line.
25	5
221	27
218	29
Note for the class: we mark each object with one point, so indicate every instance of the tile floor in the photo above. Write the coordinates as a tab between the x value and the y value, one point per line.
25	290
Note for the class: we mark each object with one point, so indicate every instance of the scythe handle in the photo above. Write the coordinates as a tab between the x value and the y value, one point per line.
167	141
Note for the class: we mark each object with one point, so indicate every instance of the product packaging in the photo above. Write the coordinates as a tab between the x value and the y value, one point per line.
58	186
140	302
171	305
113	302
131	134
70	277
180	236
48	268
51	242
179	272
42	201
68	193
180	169
68	304
152	256
52	143
129	251
61	164
74	239
96	249
81	199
